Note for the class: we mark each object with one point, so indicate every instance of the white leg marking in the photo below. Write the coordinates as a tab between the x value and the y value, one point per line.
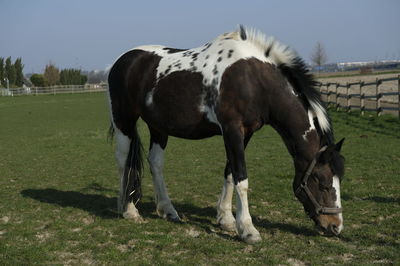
164	205
122	149
132	213
244	224
224	207
336	185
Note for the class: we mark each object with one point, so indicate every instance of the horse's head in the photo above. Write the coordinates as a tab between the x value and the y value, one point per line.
319	189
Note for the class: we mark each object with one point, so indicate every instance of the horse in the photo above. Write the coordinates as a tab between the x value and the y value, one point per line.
231	86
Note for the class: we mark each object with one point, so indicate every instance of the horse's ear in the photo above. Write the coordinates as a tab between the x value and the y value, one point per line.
326	155
338	145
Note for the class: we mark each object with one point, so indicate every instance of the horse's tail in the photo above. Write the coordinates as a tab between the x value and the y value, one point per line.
131	180
124	113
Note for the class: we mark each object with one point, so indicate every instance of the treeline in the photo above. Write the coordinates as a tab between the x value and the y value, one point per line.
11	73
53	76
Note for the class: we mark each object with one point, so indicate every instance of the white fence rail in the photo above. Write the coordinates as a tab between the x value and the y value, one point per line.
52	90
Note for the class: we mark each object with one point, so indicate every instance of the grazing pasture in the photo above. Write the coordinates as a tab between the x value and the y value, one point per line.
59	187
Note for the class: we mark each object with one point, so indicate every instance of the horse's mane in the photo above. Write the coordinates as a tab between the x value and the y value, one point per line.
295	70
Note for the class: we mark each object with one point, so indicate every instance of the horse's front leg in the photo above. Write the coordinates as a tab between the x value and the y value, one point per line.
234	145
224	207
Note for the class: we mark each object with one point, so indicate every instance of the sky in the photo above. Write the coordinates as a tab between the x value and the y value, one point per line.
91	34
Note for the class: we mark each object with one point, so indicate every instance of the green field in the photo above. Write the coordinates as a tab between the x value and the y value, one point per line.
59	183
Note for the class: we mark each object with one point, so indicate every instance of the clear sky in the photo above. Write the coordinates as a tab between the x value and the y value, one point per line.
90	34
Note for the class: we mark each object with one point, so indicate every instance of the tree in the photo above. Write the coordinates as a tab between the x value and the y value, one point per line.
319	57
19	75
10	71
37	80
1	71
51	74
96	77
72	77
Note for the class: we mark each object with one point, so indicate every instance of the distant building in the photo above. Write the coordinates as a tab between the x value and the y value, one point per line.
355	66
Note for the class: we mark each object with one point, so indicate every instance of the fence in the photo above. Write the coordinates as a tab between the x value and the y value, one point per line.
364	96
52	90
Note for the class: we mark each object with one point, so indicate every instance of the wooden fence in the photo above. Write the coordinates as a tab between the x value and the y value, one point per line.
52	90
364	96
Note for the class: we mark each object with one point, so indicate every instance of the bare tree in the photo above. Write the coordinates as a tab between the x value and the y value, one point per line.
318	57
51	74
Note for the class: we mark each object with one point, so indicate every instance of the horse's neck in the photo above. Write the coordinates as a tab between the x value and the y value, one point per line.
302	141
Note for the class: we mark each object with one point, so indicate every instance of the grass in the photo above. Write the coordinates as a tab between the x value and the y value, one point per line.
58	189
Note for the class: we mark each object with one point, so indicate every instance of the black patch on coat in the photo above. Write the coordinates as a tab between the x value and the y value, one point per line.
125	79
243	35
194	56
215	70
268	51
173	50
206	46
187	53
230	52
175	110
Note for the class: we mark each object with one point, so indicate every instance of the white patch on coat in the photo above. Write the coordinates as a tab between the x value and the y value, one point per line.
312	126
213	58
338	203
149	98
291	89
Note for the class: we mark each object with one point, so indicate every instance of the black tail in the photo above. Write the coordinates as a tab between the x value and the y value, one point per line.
131	182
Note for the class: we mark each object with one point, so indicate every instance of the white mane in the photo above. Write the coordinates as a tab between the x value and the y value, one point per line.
278	52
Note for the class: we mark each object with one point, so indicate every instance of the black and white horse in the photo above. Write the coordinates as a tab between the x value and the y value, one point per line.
231	86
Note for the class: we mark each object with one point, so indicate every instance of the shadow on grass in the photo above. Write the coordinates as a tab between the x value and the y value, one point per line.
106	207
98	205
285	227
378	199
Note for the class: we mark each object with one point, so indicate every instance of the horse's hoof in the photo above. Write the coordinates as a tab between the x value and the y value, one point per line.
173	218
251	238
229	227
134	217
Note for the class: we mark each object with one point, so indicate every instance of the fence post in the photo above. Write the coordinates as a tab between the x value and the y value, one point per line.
348	98
378	98
398	96
327	93
362	98
337	105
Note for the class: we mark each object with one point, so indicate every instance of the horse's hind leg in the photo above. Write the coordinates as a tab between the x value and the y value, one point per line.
127	208
165	208
224	207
